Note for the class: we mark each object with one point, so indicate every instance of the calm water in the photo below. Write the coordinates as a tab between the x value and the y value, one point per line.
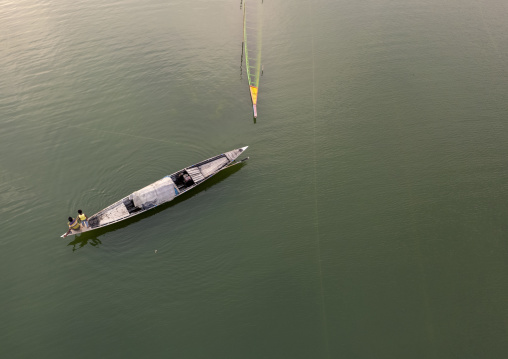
370	221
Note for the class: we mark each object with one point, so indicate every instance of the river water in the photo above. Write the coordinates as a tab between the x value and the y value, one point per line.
369	222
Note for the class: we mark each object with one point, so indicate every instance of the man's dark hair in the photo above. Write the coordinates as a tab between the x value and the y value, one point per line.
70	219
80	211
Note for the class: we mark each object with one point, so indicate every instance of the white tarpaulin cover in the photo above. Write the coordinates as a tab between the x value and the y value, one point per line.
157	193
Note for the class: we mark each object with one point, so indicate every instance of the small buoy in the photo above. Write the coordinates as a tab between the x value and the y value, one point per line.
156	251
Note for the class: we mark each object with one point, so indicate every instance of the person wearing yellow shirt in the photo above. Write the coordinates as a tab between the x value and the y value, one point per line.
73	224
83	219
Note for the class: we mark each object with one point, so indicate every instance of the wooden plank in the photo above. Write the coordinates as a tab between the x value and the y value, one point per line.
195	174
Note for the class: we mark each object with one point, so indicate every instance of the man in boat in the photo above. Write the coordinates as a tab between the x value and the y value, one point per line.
83	219
73	224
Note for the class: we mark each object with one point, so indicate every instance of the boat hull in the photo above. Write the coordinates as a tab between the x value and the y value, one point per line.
162	191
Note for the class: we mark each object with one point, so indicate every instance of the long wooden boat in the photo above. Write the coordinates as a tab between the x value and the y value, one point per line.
162	191
252	25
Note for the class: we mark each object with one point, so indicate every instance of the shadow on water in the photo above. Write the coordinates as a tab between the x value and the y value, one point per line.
81	241
92	238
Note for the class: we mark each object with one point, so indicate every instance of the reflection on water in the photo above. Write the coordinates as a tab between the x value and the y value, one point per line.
81	241
92	238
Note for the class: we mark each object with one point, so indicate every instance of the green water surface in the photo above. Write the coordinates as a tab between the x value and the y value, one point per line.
370	221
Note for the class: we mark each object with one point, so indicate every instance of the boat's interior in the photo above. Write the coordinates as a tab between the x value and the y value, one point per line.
182	180
129	204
